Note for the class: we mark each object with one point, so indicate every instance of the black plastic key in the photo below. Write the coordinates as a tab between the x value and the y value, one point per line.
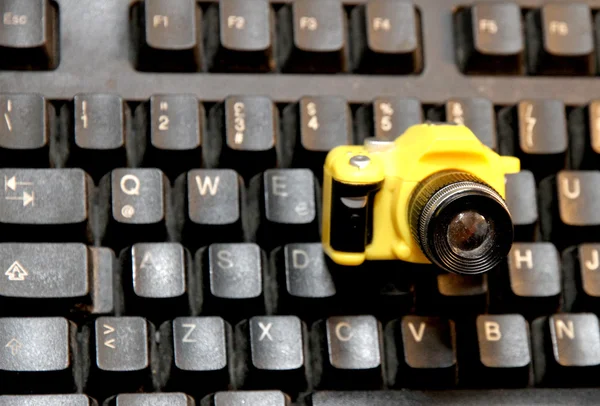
386	38
312	37
38	355
176	129
233	285
45	205
158	281
490	39
243	130
581	283
25	124
121	352
28	35
521	199
46	400
560	40
349	351
240	36
233	398
151	399
421	352
452	294
196	349
566	349
584	136
387	118
169	34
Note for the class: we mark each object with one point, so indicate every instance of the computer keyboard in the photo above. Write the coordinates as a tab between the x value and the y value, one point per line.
160	202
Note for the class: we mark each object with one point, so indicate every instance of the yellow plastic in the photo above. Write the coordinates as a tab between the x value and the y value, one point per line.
421	151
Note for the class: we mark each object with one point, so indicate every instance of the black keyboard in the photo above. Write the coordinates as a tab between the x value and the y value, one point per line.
160	208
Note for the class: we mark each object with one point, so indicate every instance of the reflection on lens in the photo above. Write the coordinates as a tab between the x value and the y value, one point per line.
467	231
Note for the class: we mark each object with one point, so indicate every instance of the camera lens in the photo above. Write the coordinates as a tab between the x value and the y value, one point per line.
461	224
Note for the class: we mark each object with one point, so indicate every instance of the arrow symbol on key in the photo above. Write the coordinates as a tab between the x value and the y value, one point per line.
27	198
109	329
11	183
110	343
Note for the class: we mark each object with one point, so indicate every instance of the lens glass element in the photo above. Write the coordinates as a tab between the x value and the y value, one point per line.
468	233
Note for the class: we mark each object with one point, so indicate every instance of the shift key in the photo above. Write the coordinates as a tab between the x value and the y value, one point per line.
45	205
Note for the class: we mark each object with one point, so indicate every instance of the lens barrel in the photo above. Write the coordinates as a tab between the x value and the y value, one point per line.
461	223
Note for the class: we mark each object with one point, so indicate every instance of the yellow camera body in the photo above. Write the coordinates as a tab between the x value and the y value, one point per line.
380	178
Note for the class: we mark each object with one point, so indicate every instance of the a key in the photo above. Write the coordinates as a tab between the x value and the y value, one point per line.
581	284
386	38
452	294
422	352
233	285
240	36
46	400
45	205
263	398
212	200
584	136
273	353
312	37
158	281
490	39
521	199
28	35
176	129
569	211
196	349
566	349
477	114
151	399
169	33
387	118
25	123
560	40
531	283
288	206
243	130
38	355
100	123
495	351
349	352
121	351
306	285
134	206
536	132
312	128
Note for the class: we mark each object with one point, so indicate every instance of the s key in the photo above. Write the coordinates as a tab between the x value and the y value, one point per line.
45	205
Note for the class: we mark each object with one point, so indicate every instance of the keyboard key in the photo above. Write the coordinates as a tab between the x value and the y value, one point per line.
387	118
28	35
568	207
45	205
234	288
451	294
135	204
272	349
306	285
196	349
99	126
477	114
158	281
490	39
46	400
422	352
312	37
212	203
244	129
176	129
349	352
169	35
536	132
566	349
495	351
288	206
263	398
152	399
121	353
37	355
312	128
532	283
240	36
521	199
25	130
386	38
560	40
581	284
584	136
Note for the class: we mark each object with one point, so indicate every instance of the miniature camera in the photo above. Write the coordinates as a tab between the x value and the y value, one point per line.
434	195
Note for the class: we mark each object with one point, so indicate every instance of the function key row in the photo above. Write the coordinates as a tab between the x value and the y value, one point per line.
503	39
